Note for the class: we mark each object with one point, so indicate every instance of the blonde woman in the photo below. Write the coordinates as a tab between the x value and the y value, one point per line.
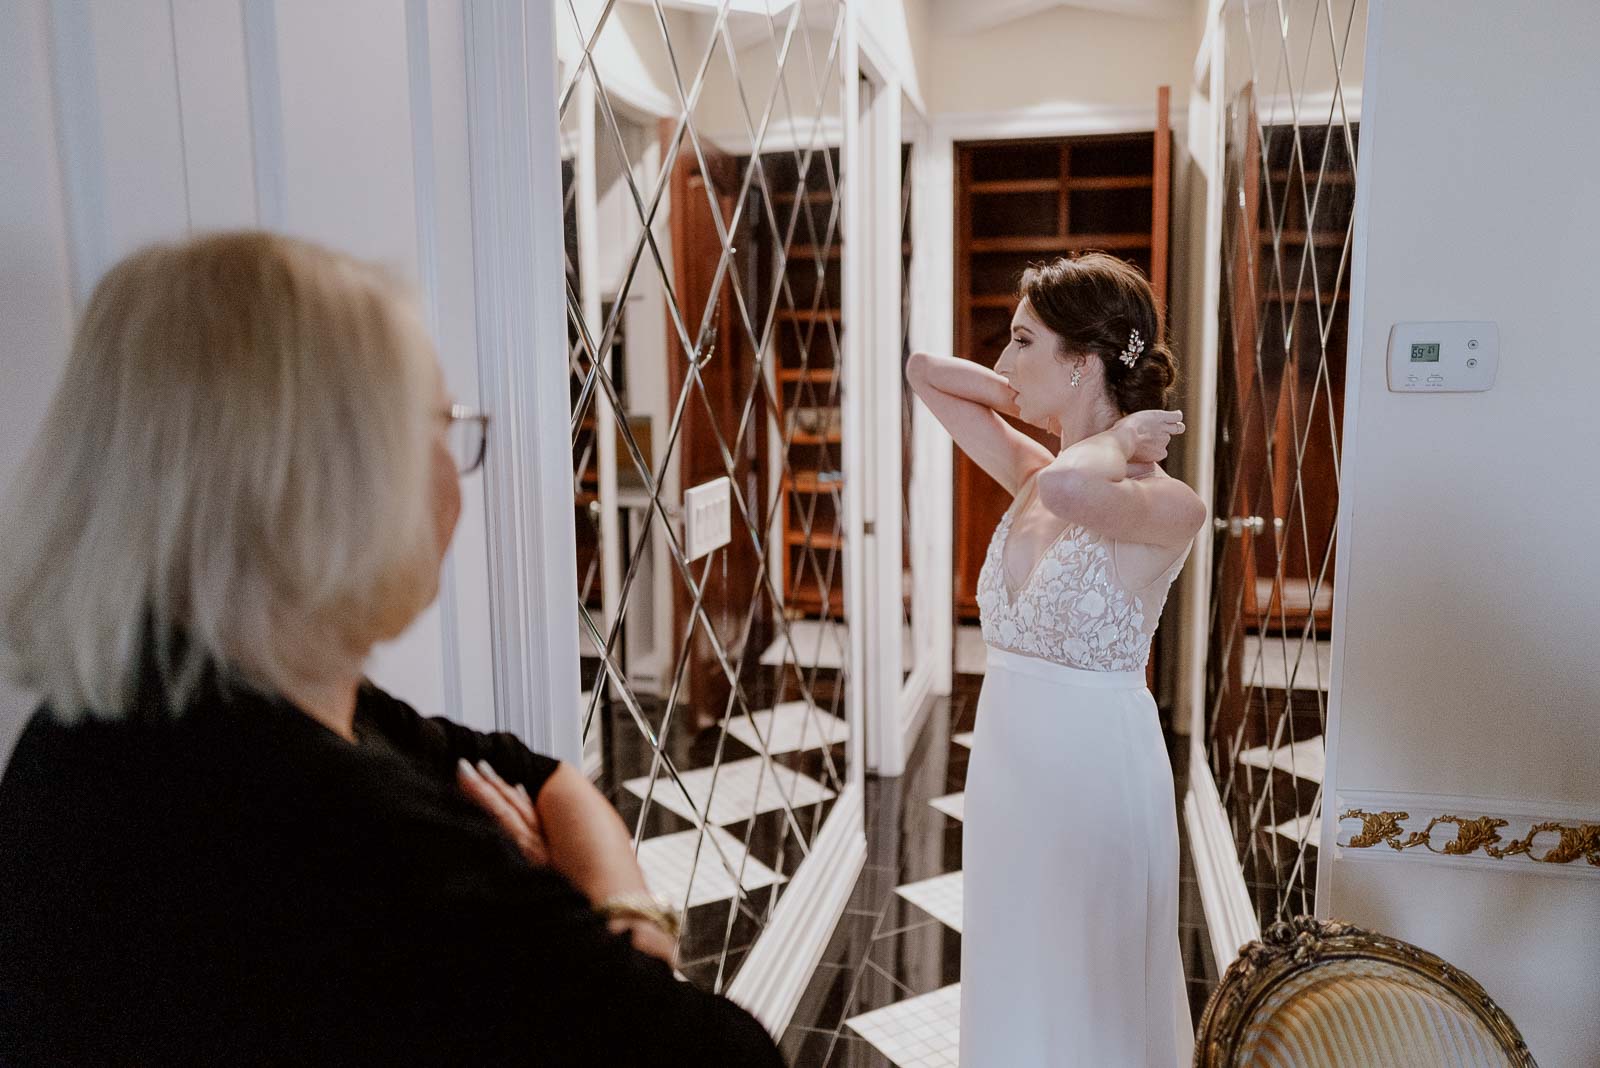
218	842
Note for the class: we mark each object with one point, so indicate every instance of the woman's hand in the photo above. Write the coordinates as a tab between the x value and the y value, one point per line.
1144	435
648	938
510	806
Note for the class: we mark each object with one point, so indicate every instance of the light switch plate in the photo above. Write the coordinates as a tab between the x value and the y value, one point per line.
707	521
1458	357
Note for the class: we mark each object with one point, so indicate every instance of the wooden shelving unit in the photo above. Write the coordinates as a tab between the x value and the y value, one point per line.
805	341
1023	202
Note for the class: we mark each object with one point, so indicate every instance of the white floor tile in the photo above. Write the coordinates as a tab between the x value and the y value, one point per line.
940	897
1287	664
816	643
1304	759
789	728
667	862
1298	828
964	738
952	805
920	1032
820	643
742	788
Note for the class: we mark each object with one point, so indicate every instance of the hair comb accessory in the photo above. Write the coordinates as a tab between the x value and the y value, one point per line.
1130	355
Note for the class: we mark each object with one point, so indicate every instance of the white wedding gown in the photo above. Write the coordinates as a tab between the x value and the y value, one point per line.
1069	950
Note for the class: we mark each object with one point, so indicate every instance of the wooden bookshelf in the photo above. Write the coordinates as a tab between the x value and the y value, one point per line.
806	375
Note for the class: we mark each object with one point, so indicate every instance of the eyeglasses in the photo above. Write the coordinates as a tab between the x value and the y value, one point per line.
467	436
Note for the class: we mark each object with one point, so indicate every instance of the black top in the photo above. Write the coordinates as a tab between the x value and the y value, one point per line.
241	885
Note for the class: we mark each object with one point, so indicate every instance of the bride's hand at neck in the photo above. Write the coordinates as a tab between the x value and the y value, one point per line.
1132	447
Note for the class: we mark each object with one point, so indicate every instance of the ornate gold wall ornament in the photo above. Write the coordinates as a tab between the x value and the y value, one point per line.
1580	841
1476	836
1470	834
1375	826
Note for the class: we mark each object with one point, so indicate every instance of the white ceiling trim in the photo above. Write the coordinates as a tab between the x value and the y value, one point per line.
1052	120
962	17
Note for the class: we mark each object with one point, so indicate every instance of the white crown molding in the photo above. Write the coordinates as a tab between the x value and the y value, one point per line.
1310	110
782	135
1395	823
1050	120
783	959
1230	918
961	18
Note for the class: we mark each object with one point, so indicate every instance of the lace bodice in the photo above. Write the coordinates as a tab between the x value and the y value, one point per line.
1073	609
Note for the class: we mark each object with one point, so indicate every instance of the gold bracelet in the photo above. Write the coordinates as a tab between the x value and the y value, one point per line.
651	908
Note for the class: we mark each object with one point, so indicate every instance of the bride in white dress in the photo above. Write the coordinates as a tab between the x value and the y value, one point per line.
1070	856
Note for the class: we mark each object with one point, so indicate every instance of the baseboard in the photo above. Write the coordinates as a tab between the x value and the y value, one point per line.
783	959
1230	918
916	697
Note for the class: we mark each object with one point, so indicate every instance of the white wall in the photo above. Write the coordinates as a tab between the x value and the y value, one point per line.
346	123
1469	583
1062	57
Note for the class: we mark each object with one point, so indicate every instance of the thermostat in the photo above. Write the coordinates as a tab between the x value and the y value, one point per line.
1443	357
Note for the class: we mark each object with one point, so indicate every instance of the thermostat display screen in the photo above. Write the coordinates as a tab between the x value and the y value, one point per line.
1425	352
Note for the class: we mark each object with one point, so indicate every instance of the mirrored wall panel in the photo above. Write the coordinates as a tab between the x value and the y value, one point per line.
704	198
1293	84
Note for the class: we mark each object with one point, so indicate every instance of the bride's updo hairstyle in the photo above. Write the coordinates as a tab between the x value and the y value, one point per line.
1095	302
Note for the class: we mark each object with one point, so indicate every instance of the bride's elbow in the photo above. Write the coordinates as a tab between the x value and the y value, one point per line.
1063	490
917	370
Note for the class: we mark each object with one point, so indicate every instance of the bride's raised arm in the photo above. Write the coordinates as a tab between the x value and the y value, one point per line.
965	397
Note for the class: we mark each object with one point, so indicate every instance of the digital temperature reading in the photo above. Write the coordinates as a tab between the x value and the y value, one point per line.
1425	352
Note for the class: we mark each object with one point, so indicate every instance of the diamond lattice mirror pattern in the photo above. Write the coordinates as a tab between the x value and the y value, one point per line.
704	197
1289	189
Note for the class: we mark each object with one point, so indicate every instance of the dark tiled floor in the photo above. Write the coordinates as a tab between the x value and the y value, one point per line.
717	936
886	949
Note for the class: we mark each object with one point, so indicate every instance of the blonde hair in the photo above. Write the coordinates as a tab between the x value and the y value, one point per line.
233	473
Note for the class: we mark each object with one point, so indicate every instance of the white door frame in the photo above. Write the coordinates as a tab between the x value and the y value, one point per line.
898	701
518	252
1230	916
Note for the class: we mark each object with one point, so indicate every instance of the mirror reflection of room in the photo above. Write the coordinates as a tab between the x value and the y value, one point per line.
705	307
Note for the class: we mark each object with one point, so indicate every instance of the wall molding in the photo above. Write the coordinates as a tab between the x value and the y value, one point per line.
1481	833
1230	917
782	135
781	962
521	321
262	80
916	697
1052	120
419	79
933	330
80	144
